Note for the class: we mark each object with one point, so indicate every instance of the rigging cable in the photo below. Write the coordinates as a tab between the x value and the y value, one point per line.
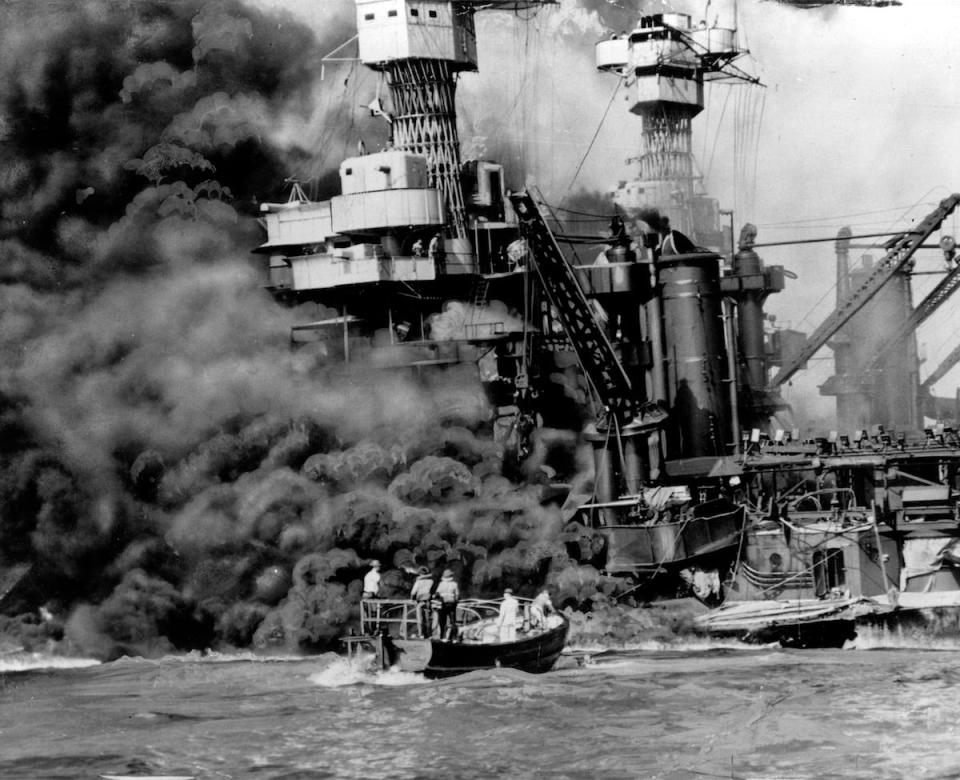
825	240
900	209
708	99
616	89
750	162
716	136
580	213
756	150
737	156
314	167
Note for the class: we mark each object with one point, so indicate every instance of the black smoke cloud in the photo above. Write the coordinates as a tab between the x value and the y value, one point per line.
623	14
172	474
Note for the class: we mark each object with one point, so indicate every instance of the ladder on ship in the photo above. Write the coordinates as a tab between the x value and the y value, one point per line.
594	352
480	290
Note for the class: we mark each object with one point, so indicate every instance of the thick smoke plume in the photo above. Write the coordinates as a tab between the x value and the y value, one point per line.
172	476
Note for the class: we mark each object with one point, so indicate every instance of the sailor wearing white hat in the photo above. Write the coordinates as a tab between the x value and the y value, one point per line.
507	617
371	582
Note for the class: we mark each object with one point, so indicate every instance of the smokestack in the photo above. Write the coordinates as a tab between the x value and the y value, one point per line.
694	355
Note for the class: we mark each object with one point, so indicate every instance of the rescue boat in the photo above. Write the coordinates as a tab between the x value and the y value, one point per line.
390	629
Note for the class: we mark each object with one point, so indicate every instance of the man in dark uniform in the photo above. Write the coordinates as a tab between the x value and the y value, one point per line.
670	242
448	594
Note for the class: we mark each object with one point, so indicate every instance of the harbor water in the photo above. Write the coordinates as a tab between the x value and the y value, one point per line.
693	713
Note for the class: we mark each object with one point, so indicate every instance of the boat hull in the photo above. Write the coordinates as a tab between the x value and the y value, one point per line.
803	623
929	619
826	633
435	658
913	620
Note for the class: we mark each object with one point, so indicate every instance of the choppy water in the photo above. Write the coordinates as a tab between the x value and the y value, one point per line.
681	714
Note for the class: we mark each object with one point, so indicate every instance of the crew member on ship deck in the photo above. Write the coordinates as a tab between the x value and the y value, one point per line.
448	594
507	617
668	241
540	607
421	592
371	581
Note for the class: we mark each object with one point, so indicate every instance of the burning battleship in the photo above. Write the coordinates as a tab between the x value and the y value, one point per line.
223	520
693	477
414	227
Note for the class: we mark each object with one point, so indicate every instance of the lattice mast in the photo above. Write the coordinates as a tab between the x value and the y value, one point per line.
669	59
421	47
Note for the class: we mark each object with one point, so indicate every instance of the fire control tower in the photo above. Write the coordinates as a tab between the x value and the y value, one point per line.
669	58
421	47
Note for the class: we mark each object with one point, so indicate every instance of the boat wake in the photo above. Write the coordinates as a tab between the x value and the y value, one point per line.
362	671
656	646
885	638
220	657
24	661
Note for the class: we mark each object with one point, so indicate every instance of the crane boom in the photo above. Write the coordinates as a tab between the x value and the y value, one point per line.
593	348
938	296
942	370
900	250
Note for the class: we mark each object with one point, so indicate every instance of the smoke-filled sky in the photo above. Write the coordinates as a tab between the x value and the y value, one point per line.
172	471
855	125
172	475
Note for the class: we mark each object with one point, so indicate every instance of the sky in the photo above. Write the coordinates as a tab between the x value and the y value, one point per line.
854	125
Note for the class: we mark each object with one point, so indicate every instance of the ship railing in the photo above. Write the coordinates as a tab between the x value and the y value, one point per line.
397	616
824	500
480	330
407	268
478	610
778	580
400	619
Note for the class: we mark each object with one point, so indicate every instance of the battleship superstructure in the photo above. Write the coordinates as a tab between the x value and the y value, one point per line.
413	228
668	58
418	238
424	260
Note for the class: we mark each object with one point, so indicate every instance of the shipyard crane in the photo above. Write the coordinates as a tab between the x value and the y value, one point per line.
899	252
942	370
622	406
938	296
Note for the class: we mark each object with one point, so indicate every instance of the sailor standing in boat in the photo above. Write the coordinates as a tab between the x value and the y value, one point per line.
421	592
540	607
371	582
448	594
507	618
